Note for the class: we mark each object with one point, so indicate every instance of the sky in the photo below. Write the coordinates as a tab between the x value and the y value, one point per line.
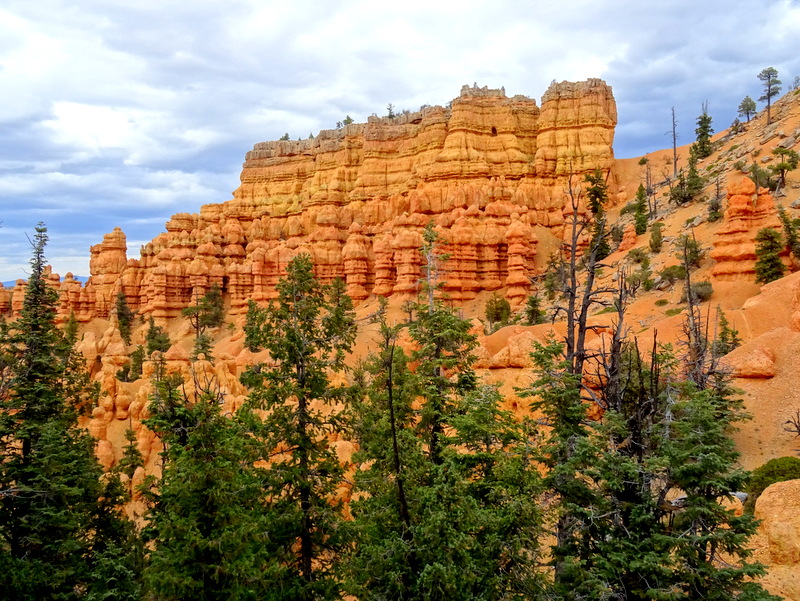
124	112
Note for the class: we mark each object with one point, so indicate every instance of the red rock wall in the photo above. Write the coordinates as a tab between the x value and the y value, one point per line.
485	171
749	210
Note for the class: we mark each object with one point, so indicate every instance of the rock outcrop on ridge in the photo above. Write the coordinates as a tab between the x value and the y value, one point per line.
490	171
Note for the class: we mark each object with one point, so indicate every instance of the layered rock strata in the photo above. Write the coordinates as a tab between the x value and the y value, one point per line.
749	210
485	171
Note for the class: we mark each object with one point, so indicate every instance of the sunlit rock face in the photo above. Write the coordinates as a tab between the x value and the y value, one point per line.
486	171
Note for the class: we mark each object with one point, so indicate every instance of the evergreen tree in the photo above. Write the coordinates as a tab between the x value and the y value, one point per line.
690	183
137	360
788	160
640	212
497	311
534	314
703	145
747	107
207	524
715	203
209	312
790	231
156	339
597	198
769	266
772	87
124	317
687	247
727	338
291	410
62	535
636	507
656	237
450	506
709	547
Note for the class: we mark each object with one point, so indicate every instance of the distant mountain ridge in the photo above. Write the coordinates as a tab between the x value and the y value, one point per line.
11	283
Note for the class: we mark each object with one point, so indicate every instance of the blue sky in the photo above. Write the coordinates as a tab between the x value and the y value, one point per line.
121	113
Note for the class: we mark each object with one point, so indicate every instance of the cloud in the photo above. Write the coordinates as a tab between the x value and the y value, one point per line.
120	113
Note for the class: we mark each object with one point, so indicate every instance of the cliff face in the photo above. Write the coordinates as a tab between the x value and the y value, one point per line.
487	171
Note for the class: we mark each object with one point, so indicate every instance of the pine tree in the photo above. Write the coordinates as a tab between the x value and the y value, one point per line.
497	311
790	231
640	212
61	531
292	412
207	525
727	338
772	87
747	107
534	314
709	547
690	183
769	266
209	312
156	339
597	198
788	160
449	509
124	317
703	145
656	237
636	507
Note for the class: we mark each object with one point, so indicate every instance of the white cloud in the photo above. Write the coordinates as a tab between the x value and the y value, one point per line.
120	113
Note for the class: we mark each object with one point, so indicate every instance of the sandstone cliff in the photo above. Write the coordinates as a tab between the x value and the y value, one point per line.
490	172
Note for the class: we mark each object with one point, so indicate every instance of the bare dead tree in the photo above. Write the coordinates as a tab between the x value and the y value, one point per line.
674	144
792	425
579	297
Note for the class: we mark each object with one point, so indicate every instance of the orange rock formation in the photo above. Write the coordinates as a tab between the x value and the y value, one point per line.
485	171
749	210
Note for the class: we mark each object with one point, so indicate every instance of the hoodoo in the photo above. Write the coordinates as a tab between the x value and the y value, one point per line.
490	171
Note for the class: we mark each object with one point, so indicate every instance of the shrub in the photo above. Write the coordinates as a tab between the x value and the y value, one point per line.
673	273
656	239
688	251
497	311
701	291
661	302
639	256
714	209
533	311
774	470
156	338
